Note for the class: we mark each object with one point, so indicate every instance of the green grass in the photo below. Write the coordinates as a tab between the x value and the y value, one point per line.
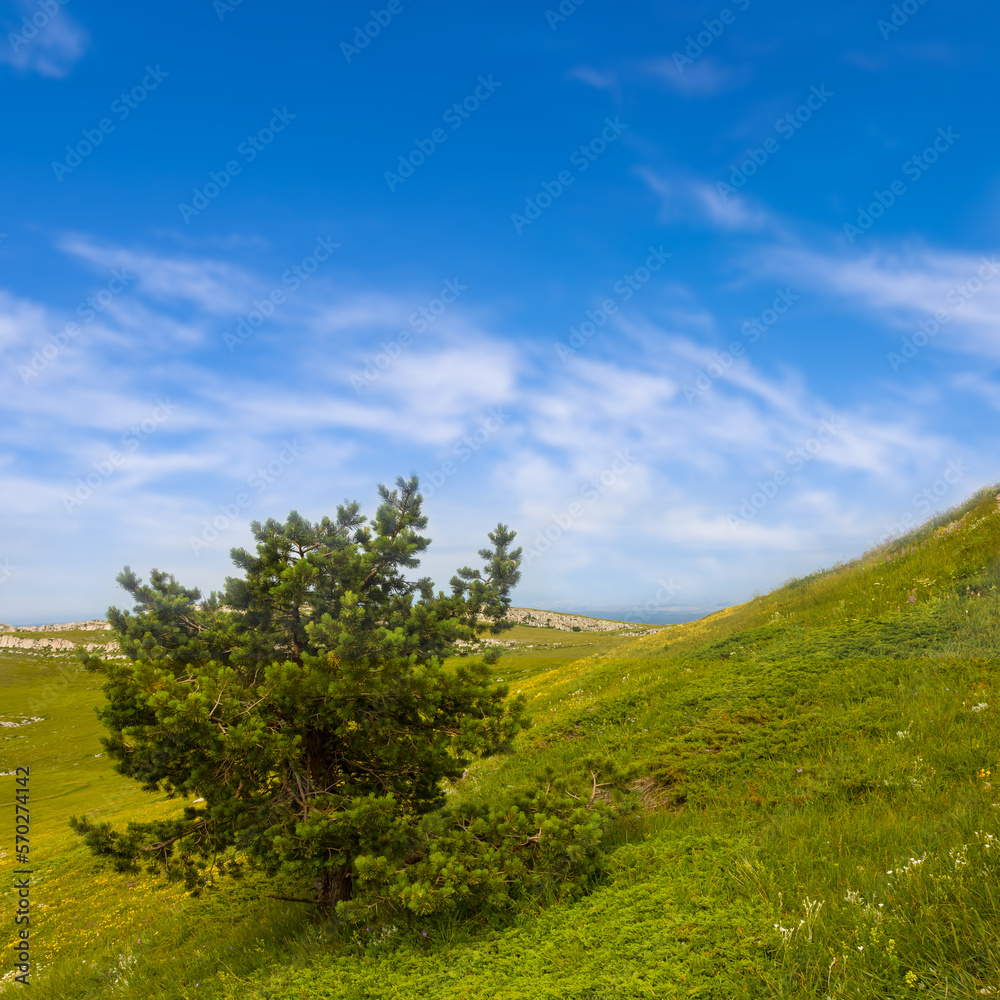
73	635
816	770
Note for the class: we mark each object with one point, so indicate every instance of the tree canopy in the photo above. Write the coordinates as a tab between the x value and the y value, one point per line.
307	712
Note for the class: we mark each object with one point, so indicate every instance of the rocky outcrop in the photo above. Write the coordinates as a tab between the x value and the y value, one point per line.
20	642
568	623
93	625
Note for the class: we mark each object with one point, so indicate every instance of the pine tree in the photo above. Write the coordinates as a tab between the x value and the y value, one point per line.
307	704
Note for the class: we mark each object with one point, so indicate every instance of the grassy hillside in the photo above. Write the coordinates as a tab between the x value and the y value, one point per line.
815	813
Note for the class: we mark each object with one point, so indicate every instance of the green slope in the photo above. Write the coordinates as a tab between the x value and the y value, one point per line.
813	775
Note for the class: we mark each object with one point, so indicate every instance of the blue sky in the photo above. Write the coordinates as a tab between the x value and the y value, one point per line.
695	297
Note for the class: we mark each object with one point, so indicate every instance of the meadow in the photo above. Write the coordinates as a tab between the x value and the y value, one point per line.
806	796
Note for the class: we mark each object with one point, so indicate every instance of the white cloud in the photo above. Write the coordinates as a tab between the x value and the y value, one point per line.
705	77
360	310
21	322
594	78
904	287
44	42
216	286
733	212
442	387
692	464
690	199
975	382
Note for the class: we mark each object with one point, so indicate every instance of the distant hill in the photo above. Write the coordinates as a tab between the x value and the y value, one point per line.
570	622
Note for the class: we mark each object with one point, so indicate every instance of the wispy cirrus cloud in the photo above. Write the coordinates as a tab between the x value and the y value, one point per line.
986	389
595	78
706	77
896	285
904	285
210	283
692	199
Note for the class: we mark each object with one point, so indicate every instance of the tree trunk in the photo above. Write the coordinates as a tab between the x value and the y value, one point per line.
331	887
